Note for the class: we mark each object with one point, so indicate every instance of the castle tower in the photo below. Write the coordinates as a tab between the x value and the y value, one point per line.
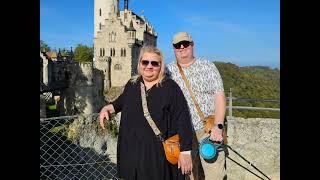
118	42
131	35
84	89
102	10
126	4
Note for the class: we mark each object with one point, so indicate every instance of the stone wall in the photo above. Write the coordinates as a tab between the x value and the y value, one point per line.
258	141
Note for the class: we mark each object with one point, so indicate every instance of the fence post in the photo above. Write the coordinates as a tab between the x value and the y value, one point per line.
230	103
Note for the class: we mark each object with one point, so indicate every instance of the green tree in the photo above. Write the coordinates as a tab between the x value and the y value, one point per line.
83	53
251	82
44	47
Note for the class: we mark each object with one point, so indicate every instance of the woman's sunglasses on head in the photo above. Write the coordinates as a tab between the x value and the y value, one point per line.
153	63
184	43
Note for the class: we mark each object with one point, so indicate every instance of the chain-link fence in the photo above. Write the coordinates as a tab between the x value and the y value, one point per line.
75	147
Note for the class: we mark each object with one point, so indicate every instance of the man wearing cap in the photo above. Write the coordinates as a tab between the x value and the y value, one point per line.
206	85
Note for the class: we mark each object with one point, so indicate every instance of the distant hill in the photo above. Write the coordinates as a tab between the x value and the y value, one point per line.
252	82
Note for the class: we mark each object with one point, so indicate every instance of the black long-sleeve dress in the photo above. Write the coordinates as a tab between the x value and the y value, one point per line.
140	153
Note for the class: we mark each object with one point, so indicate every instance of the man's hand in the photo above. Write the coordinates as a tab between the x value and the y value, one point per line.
185	163
216	134
104	114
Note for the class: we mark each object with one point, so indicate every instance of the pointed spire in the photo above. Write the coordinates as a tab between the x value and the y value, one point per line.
131	24
71	53
126	2
131	28
59	56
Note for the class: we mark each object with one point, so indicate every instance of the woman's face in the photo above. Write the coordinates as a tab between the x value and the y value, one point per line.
150	65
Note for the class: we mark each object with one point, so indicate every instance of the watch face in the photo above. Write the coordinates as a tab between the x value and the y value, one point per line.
220	126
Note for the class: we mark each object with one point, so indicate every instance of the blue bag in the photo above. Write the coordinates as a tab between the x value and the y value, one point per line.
208	149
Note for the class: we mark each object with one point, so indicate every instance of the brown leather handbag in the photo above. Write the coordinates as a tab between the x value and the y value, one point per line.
171	146
208	123
172	149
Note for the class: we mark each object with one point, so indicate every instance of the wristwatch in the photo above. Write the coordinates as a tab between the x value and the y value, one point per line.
220	126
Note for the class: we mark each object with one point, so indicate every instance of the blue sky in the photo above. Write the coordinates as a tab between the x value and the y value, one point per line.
243	32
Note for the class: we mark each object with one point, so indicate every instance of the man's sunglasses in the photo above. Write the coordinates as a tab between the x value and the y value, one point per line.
184	43
153	63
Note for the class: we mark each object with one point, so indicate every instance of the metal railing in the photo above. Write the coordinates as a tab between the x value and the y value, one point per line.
230	99
73	147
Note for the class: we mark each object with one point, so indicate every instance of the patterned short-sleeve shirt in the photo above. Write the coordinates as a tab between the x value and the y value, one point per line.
205	80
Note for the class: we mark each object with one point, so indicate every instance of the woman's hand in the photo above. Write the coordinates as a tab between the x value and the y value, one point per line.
185	163
104	114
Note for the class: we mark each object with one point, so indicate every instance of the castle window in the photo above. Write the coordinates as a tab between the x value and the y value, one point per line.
100	52
131	34
114	52
121	52
67	75
99	26
110	52
103	52
117	67
59	76
141	23
124	52
112	37
99	12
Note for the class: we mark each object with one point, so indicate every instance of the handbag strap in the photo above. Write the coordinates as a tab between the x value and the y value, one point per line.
191	93
147	114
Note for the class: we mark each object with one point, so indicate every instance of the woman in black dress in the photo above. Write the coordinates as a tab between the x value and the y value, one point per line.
140	154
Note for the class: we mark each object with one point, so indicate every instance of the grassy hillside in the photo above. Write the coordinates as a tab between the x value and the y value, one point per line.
252	82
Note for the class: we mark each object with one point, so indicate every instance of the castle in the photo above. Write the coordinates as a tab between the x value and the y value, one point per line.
75	87
118	37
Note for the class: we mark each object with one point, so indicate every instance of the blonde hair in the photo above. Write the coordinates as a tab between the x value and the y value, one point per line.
155	50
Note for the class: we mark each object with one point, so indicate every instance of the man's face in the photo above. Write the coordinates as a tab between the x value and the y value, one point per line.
183	50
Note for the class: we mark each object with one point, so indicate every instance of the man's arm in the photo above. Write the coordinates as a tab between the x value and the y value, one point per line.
219	111
220	107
